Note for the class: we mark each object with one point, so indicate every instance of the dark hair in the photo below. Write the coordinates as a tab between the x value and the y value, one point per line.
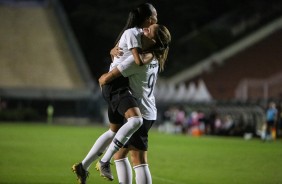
137	17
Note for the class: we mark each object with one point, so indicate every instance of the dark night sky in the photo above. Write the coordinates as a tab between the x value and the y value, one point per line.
97	23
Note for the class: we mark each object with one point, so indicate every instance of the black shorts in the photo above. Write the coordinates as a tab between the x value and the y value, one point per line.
117	116
140	138
119	102
116	90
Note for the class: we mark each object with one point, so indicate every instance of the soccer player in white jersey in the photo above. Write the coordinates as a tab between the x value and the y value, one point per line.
160	49
129	39
121	102
142	16
142	82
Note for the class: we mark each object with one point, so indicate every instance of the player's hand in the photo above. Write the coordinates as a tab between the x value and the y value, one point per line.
147	57
102	80
116	52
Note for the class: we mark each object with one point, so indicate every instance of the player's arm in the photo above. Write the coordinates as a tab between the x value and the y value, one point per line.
108	77
116	52
126	68
141	59
136	55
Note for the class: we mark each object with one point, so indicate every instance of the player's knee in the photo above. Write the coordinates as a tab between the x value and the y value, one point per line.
136	122
111	133
138	160
138	157
114	127
122	153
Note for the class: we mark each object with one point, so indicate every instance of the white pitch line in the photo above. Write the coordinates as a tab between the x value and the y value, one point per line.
166	180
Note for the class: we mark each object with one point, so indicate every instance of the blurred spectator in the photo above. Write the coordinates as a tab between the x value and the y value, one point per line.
210	122
271	118
169	118
195	124
202	120
50	113
217	125
227	125
180	120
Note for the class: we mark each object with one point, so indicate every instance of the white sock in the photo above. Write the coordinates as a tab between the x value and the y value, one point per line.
122	136
142	174
98	148
124	171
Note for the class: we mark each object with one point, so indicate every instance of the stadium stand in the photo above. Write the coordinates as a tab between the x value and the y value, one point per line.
259	61
40	62
33	52
255	56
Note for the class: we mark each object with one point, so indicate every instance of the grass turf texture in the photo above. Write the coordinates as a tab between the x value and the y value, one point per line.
41	154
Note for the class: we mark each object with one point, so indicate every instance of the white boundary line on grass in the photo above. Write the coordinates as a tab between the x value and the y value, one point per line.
166	180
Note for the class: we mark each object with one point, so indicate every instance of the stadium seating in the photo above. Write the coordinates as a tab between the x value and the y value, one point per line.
33	52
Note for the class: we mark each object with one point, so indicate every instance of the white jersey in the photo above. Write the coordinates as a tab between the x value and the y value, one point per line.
142	80
131	38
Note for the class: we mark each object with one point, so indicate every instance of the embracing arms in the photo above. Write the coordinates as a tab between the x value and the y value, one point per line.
129	62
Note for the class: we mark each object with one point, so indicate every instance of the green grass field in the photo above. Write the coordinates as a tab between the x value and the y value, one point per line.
41	154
